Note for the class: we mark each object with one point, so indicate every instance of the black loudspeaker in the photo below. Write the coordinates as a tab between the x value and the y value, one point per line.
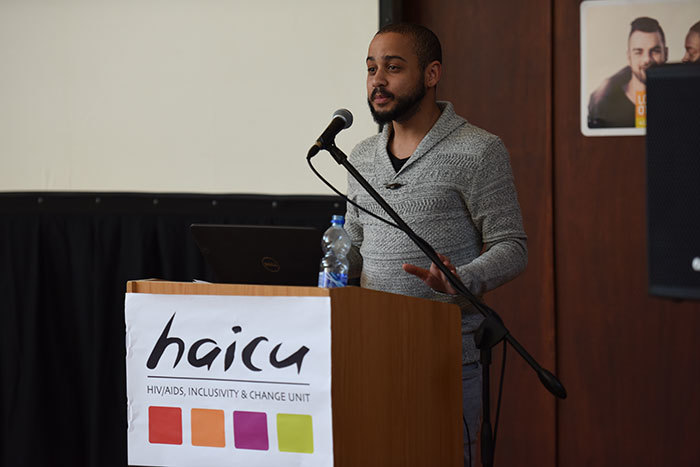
673	180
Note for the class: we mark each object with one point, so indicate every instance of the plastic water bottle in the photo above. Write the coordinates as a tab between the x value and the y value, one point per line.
334	265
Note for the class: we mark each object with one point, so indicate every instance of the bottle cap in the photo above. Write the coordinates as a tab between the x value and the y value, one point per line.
337	220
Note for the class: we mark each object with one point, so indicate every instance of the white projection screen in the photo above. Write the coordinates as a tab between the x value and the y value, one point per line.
191	96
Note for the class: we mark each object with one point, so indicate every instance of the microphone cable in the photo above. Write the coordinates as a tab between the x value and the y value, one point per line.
335	190
313	169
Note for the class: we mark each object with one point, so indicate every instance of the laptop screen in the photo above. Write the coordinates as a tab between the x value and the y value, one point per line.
260	254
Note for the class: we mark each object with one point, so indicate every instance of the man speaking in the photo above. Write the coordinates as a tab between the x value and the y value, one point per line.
449	180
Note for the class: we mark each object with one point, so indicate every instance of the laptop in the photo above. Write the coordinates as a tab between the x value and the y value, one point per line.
260	254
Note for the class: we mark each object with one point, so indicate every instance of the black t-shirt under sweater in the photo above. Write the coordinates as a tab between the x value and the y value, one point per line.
395	161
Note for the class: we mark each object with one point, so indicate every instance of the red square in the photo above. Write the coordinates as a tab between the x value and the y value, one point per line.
165	425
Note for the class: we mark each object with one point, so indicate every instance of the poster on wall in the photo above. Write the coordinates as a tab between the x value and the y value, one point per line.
620	40
228	380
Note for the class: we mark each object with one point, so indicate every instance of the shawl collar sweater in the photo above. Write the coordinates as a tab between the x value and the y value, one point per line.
456	191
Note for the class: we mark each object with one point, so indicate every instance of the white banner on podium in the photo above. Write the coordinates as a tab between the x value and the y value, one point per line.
228	380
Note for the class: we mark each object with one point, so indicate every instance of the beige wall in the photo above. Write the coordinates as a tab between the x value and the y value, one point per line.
178	95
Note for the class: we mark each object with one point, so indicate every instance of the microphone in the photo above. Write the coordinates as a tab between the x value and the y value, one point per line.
342	119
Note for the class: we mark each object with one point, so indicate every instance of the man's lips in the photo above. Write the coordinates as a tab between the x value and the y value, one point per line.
379	97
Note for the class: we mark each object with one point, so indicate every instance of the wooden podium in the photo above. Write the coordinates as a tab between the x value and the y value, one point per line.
396	372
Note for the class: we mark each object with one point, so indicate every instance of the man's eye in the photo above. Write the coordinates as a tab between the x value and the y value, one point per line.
392	67
371	69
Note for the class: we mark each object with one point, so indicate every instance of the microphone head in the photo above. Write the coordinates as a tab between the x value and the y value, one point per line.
345	115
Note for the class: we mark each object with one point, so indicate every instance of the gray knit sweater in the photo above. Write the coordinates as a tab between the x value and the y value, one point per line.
457	193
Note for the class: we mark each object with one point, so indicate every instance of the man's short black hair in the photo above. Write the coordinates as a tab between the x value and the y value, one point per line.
646	24
425	42
695	27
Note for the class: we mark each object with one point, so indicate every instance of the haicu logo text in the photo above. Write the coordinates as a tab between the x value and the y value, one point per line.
198	356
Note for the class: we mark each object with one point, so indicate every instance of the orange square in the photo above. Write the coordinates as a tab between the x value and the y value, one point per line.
208	428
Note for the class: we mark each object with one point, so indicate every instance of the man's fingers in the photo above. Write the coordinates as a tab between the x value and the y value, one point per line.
446	286
437	272
446	261
416	271
434	278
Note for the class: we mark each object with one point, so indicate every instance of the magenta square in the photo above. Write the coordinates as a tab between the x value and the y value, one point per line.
250	430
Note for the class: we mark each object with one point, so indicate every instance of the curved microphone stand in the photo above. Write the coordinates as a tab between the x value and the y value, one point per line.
491	331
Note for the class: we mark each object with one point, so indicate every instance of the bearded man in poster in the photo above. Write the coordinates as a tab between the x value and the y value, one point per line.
612	104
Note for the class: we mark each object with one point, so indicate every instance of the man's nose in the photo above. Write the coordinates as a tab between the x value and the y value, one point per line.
379	78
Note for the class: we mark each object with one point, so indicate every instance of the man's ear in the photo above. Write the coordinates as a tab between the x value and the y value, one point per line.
433	73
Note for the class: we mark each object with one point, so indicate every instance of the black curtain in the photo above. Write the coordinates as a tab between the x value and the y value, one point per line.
65	259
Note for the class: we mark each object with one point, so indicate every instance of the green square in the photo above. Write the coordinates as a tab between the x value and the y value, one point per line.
295	433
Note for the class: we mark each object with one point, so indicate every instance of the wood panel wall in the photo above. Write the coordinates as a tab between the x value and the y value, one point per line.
497	72
629	361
